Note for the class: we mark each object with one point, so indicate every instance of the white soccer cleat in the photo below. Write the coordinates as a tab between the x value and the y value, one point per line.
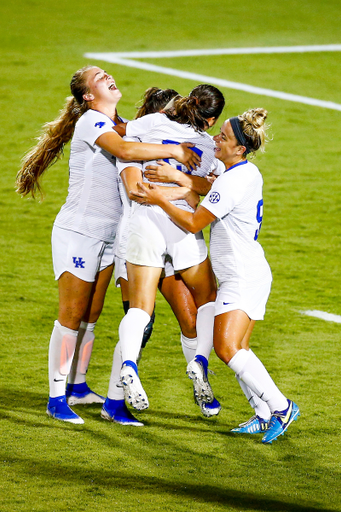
202	388
210	409
134	393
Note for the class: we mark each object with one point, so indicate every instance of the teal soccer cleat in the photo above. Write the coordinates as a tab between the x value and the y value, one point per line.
255	425
280	421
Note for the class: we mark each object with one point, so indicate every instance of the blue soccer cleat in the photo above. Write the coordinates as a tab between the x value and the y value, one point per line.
255	425
81	394
59	409
117	411
280	421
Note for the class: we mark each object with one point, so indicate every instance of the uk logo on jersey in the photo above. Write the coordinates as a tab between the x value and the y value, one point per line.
79	262
100	124
214	197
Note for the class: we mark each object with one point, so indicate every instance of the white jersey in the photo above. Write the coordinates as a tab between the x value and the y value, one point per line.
93	205
236	200
158	129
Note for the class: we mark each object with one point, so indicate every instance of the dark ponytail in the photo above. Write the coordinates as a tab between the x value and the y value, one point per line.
155	99
204	102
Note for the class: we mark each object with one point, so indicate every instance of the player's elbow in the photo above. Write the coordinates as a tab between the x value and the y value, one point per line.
191	228
126	152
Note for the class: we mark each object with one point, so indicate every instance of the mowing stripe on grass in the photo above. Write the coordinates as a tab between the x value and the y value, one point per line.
116	59
329	317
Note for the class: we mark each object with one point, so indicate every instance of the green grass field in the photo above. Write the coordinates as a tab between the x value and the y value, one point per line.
179	461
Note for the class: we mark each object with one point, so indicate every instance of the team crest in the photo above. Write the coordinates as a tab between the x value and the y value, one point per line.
214	197
100	124
78	262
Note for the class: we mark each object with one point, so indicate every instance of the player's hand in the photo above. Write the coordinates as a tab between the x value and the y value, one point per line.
211	178
162	173
147	193
184	155
192	199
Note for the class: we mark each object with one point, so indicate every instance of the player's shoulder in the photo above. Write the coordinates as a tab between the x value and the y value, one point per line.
94	118
243	171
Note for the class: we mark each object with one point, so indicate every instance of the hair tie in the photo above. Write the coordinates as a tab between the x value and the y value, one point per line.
238	133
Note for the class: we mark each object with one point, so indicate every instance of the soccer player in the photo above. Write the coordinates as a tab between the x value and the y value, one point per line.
153	237
171	284
84	230
234	208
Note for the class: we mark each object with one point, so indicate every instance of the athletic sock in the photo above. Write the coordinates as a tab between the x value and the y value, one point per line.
81	359
131	333
189	346
260	407
253	373
149	327
61	350
205	323
115	391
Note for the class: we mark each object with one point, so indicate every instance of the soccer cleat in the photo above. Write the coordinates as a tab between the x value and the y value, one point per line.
280	421
197	372
255	425
59	409
134	393
117	411
210	409
81	394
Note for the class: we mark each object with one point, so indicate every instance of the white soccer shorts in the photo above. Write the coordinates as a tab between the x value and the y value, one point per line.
152	236
250	299
80	255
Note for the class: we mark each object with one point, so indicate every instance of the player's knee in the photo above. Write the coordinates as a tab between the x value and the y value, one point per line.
188	326
225	353
71	316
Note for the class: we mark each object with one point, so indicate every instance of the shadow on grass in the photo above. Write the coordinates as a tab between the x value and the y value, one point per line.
123	481
24	407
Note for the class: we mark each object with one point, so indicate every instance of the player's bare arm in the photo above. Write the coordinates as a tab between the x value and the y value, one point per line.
192	222
166	173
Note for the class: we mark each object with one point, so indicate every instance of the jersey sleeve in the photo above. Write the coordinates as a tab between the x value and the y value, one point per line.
93	124
138	127
217	167
225	193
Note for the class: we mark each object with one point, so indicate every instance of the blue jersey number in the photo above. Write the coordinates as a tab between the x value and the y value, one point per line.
259	217
179	167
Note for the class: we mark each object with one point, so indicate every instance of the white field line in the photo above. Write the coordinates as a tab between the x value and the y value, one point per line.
323	316
113	58
227	51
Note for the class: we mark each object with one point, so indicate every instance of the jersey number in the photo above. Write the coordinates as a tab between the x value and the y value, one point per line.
259	217
179	167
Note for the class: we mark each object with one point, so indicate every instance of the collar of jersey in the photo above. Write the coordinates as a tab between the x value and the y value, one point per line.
105	115
236	165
